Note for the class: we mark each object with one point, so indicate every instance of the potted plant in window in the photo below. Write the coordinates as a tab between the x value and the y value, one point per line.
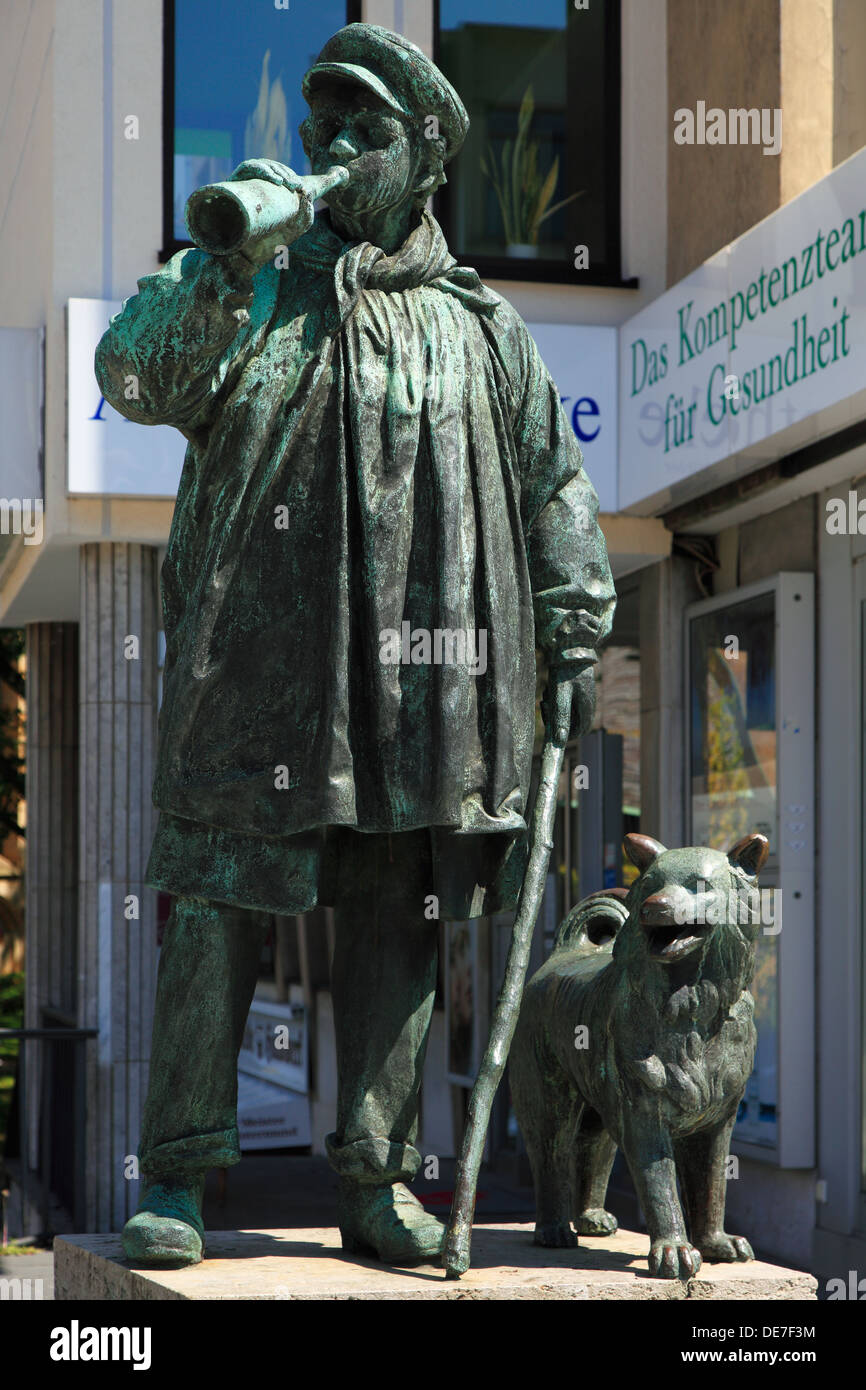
521	191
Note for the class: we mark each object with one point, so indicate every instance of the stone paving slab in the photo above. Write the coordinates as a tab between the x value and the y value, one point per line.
308	1263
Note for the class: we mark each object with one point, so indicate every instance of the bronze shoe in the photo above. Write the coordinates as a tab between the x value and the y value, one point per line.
388	1221
167	1229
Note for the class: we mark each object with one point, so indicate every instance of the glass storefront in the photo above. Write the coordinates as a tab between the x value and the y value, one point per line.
732	792
733	723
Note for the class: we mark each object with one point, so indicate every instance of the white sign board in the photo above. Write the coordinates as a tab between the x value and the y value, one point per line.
583	363
109	455
758	352
275	1045
270	1117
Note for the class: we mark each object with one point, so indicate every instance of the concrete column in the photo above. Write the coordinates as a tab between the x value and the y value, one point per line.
808	57
52	839
849	89
665	591
117	922
727	56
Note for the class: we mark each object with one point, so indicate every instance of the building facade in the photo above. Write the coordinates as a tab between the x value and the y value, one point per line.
115	111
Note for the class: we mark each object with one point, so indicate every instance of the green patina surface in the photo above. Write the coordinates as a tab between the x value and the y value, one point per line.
377	455
637	1033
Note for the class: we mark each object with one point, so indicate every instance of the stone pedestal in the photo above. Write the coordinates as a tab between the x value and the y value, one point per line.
308	1264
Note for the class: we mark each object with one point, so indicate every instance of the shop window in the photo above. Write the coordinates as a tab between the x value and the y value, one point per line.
534	193
733	745
232	90
733	791
750	767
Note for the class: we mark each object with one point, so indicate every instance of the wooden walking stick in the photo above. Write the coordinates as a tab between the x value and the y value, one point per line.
458	1237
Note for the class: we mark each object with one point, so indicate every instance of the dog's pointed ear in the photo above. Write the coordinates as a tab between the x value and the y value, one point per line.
750	853
642	850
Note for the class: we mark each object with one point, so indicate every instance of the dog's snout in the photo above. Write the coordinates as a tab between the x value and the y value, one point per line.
659	910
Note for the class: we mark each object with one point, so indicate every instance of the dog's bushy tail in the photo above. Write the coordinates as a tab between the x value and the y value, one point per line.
594	922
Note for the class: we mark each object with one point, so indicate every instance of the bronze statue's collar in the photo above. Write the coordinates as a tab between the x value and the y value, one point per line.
423	259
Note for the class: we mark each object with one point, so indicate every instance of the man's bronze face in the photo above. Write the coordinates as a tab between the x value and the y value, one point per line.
349	125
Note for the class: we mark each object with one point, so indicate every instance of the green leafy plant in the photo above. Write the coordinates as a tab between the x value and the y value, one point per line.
521	191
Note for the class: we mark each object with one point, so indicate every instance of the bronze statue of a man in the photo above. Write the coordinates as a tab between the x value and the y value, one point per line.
379	481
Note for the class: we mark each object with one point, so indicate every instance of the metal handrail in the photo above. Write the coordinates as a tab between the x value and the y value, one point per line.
73	1035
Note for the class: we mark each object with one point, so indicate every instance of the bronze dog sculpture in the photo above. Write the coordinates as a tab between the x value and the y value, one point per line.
637	1033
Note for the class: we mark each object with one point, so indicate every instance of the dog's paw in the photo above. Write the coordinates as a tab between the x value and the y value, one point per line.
595	1221
726	1248
555	1235
670	1260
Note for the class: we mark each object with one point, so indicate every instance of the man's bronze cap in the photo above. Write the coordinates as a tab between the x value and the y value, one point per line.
398	72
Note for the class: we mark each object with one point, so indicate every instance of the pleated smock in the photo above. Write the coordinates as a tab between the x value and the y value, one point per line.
382	511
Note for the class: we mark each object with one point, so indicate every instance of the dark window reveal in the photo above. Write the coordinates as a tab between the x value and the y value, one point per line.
534	193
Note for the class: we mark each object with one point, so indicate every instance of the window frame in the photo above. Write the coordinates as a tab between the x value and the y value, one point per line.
170	243
791	870
553	272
